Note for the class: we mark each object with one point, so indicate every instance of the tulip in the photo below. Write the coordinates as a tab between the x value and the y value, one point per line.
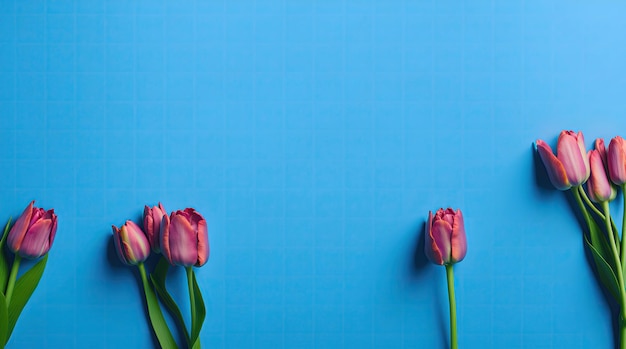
184	238
598	186
33	233
570	167
445	237
616	159
152	218
131	243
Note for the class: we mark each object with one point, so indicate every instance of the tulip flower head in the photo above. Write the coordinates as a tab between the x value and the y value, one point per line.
599	187
131	243
184	238
152	218
33	233
570	167
616	159
445	237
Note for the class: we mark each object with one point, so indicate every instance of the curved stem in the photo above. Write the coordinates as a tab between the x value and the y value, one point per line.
589	203
159	325
451	298
12	277
192	299
595	210
620	274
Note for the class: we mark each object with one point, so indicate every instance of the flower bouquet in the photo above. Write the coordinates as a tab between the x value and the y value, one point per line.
593	179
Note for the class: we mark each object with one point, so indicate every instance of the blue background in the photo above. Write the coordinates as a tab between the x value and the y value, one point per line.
314	136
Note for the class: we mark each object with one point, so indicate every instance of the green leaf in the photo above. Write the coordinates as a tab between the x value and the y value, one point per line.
4	320
598	239
4	265
161	330
605	272
200	313
24	288
158	278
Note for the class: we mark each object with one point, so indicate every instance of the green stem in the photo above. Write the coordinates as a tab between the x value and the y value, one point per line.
620	274
598	213
623	242
451	298
192	299
12	277
159	325
588	202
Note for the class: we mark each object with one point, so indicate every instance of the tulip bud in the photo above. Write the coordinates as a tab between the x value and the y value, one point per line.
616	159
570	167
33	233
152	218
184	238
131	243
445	237
598	186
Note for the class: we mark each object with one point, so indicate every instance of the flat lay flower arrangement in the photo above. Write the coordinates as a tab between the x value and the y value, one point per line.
180	239
593	179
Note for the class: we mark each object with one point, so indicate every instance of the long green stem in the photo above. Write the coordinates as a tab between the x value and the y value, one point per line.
159	325
620	274
451	298
599	214
192	299
623	251
12	277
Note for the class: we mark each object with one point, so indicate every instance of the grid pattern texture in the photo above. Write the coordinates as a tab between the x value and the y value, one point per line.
314	136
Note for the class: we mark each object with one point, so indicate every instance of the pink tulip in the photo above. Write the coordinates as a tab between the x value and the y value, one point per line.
33	233
131	243
445	237
570	167
184	238
152	218
598	186
617	160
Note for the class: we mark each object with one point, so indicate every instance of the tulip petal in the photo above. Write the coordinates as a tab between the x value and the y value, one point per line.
458	239
556	171
53	230
580	139
598	186
601	148
138	244
575	163
203	243
430	249
17	232
118	245
37	239
148	221
183	242
616	159
440	234
165	238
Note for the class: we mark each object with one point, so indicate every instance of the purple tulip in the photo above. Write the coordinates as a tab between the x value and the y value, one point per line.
616	159
33	233
184	238
445	237
570	167
152	218
131	243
